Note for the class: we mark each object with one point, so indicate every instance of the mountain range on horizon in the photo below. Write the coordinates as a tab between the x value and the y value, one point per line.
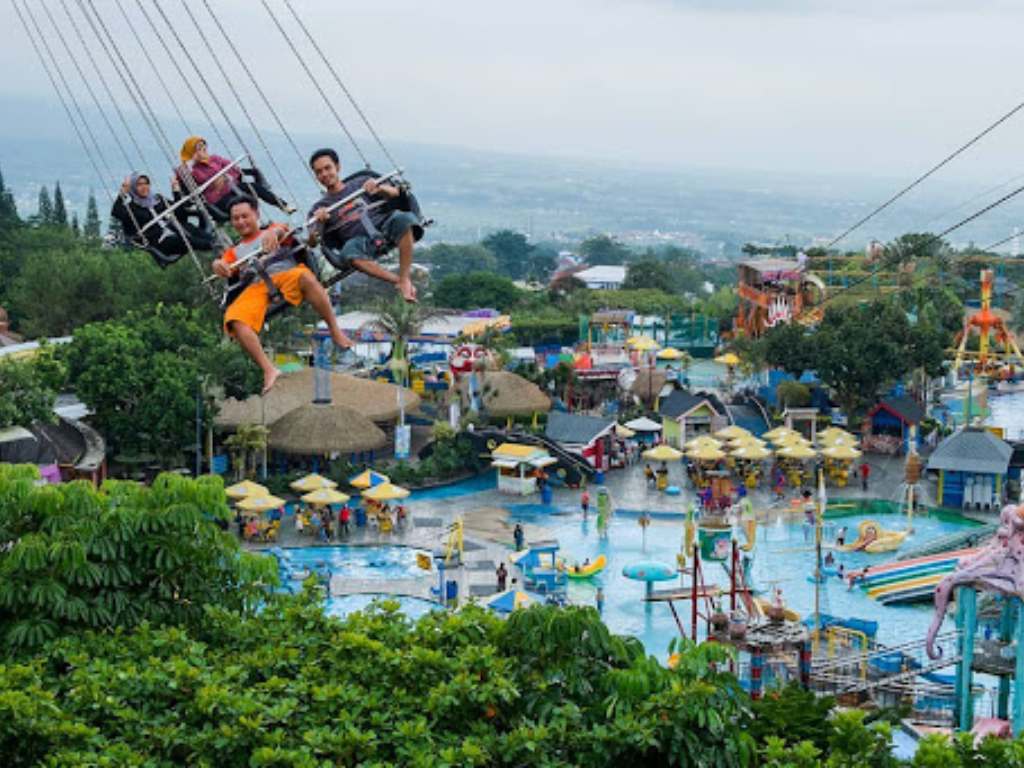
471	192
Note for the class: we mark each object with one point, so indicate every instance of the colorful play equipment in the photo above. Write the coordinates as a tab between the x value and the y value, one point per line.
604	510
909	581
538	567
585	571
455	543
997	568
649	572
987	324
872	538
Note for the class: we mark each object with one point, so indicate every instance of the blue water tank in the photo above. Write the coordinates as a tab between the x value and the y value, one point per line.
546	494
599	477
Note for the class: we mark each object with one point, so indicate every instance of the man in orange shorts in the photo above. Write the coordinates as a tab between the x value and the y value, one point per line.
244	318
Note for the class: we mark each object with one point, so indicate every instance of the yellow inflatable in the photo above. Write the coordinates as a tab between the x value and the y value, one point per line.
763	605
871	537
750	528
583	571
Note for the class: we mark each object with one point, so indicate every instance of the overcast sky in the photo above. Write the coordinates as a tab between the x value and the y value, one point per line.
877	87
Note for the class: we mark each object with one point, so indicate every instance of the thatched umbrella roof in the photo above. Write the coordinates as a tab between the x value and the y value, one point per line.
375	400
648	384
504	393
317	430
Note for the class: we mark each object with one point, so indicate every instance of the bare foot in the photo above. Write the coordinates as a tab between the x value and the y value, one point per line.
342	340
407	289
269	377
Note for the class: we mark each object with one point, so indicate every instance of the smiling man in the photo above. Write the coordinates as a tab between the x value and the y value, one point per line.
345	230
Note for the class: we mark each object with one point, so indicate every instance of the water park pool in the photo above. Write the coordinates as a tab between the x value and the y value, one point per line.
783	556
354	562
413	607
1007	411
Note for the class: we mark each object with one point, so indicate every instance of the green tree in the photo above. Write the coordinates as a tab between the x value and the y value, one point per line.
76	228
604	250
647	273
27	395
790	348
91	229
60	211
449	259
477	289
542	262
8	210
248	445
44	211
860	350
79	558
512	251
401	321
141	377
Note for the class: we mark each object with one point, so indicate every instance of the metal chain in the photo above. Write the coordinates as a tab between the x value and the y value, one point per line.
341	84
316	84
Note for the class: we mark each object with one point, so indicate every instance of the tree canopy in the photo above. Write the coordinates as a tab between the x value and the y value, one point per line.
602	250
477	289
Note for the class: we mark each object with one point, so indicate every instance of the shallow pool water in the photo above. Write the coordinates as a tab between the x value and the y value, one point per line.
413	607
783	556
351	562
1007	411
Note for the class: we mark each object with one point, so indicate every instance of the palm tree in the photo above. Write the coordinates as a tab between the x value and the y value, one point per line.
249	440
401	321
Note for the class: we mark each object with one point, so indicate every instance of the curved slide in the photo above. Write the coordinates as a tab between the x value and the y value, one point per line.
907	581
872	538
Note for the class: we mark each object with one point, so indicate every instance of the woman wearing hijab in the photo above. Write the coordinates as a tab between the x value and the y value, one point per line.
137	205
197	161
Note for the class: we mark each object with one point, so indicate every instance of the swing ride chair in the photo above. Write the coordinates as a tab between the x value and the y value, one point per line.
165	31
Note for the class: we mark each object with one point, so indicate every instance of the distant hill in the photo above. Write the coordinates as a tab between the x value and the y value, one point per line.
471	192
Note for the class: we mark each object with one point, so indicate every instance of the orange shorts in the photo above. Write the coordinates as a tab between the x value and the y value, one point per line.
250	308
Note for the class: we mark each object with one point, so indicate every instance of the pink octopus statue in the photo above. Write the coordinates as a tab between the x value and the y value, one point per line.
998	567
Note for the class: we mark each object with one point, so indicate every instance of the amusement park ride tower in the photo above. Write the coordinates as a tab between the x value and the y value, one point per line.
774	292
987	323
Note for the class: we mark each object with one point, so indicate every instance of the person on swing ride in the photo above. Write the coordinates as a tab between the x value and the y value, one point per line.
243	318
137	206
197	162
345	230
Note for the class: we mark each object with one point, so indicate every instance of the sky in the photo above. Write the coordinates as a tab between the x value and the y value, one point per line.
875	88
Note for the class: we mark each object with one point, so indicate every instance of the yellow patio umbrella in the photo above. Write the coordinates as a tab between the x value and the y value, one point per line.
662	453
739	442
643	343
706	453
796	451
312	482
386	492
841	452
368	478
780	431
751	452
729	358
261	503
843	439
671	353
322	496
626	432
793	438
831	433
245	489
701	441
732	432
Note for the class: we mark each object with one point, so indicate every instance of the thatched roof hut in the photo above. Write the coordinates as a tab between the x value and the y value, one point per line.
648	385
318	430
375	400
506	394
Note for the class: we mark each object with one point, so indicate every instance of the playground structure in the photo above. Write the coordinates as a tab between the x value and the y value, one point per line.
987	361
538	566
773	292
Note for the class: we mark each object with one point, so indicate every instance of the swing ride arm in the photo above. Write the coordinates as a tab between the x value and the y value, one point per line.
192	194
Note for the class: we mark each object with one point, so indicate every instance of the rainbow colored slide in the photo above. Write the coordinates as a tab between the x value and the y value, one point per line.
910	581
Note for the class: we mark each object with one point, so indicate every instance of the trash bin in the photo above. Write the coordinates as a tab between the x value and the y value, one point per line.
451	592
546	494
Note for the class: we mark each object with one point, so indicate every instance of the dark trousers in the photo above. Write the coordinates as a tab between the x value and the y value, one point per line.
253	183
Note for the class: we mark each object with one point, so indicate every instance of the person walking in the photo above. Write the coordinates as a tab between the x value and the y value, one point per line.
599	600
865	474
502	574
585	503
519	535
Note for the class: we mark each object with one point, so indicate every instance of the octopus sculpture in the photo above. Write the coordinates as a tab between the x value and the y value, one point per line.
998	567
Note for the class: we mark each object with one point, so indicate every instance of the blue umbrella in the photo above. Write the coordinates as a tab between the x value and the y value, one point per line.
510	599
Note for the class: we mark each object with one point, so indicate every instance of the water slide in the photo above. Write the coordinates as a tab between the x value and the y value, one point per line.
914	580
972	537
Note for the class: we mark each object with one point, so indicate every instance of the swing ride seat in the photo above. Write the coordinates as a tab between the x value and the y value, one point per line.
380	243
